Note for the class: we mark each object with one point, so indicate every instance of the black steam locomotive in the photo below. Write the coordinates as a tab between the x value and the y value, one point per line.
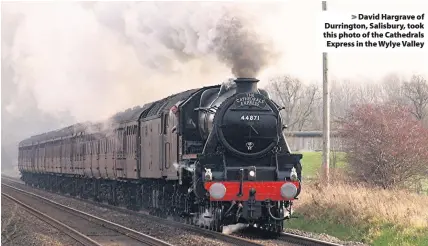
215	154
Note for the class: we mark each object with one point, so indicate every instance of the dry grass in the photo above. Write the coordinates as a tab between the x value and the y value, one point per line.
356	204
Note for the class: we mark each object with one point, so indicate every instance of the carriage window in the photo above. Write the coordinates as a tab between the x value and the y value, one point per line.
165	124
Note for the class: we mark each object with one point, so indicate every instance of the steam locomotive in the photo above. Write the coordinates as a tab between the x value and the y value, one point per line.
215	154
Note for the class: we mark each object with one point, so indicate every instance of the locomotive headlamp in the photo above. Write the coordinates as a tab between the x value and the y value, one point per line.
288	190
252	173
217	191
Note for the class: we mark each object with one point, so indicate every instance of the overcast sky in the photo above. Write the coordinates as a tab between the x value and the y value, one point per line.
109	55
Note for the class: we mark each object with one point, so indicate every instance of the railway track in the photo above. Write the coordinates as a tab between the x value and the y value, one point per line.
288	238
200	231
79	237
84	228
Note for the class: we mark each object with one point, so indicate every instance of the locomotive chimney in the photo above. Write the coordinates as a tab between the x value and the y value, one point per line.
245	85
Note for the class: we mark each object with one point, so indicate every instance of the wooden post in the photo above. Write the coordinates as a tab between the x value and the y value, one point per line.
326	113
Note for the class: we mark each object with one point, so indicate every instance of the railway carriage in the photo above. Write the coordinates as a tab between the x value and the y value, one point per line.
216	153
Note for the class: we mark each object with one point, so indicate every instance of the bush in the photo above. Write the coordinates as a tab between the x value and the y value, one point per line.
386	146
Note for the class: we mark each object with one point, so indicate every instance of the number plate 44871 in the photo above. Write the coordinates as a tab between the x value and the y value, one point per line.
250	117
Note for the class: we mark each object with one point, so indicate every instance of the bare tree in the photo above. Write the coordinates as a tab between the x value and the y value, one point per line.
343	94
392	89
297	99
369	93
303	104
417	92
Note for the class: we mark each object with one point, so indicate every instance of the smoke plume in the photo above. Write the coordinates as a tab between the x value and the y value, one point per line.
67	62
241	48
193	31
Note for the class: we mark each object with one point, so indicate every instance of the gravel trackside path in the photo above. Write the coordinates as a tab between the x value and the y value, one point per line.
21	228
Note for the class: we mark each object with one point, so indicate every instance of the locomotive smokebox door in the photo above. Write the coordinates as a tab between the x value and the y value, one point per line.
248	124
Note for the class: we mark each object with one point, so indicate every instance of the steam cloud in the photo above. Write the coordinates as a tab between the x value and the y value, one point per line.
66	62
229	229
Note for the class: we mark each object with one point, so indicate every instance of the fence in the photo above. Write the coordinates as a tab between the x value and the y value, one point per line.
312	141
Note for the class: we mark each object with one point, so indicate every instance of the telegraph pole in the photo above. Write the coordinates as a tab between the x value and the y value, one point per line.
326	113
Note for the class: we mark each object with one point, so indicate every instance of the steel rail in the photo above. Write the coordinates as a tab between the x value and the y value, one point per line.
146	239
79	237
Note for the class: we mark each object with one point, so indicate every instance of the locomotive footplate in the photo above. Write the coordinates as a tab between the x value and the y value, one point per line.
240	191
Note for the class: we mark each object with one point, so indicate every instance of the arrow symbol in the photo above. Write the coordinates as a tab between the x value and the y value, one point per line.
354	16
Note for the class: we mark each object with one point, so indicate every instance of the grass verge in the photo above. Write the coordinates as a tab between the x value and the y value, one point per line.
357	213
312	162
